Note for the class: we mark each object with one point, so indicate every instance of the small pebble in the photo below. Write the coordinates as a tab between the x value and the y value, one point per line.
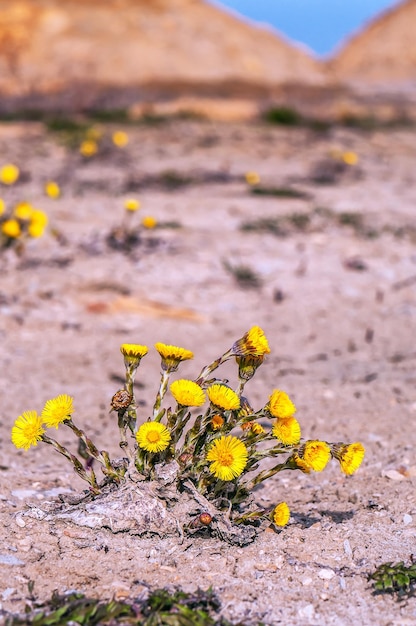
347	548
307	611
407	519
9	559
307	581
326	574
20	521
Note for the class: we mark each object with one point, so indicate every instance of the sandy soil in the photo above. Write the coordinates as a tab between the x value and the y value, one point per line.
341	339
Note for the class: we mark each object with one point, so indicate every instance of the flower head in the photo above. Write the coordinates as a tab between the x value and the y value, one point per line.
133	353
120	138
172	356
247	365
223	397
187	393
229	457
153	437
252	178
131	204
316	454
57	410
23	211
350	456
280	405
38	223
88	148
254	427
350	158
287	431
11	228
252	343
9	174
52	189
281	514
27	430
149	222
217	422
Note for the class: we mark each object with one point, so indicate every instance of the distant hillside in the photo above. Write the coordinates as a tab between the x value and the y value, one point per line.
382	54
80	53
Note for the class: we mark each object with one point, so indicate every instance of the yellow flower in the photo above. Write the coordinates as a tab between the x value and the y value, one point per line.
27	430
187	393
57	410
149	222
350	158
52	189
281	514
131	204
217	422
299	464
287	431
23	211
133	353
255	427
280	405
35	229
39	217
172	356
2	206
229	457
252	178
153	437
120	138
316	454
252	343
11	228
350	456
88	148
223	397
9	174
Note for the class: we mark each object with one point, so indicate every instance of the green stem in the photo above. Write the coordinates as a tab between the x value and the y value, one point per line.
207	371
90	477
163	387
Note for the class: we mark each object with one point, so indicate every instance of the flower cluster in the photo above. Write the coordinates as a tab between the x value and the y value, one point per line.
220	449
20	222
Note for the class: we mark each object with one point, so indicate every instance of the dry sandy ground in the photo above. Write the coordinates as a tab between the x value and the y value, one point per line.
342	343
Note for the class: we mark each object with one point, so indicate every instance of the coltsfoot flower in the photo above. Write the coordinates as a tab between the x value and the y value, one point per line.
149	222
11	228
223	397
229	457
252	343
23	211
153	437
52	189
88	148
133	353
287	431
247	365
172	356
57	410
281	514
217	422
350	456
254	427
121	400
9	174
280	405
252	178
120	138
187	393
27	430
316	454
132	205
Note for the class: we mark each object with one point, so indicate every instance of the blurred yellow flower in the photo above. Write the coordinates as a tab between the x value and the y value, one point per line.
38	223
52	189
350	158
27	430
120	139
11	228
229	457
88	148
131	204
187	393
9	174
223	397
149	222
287	430
280	405
153	437
36	230
23	210
281	514
57	410
252	178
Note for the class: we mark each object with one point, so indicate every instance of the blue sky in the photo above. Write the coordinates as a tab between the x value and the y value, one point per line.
320	24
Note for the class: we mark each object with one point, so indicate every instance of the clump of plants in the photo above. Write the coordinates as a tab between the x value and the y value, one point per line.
193	463
20	223
127	235
394	578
